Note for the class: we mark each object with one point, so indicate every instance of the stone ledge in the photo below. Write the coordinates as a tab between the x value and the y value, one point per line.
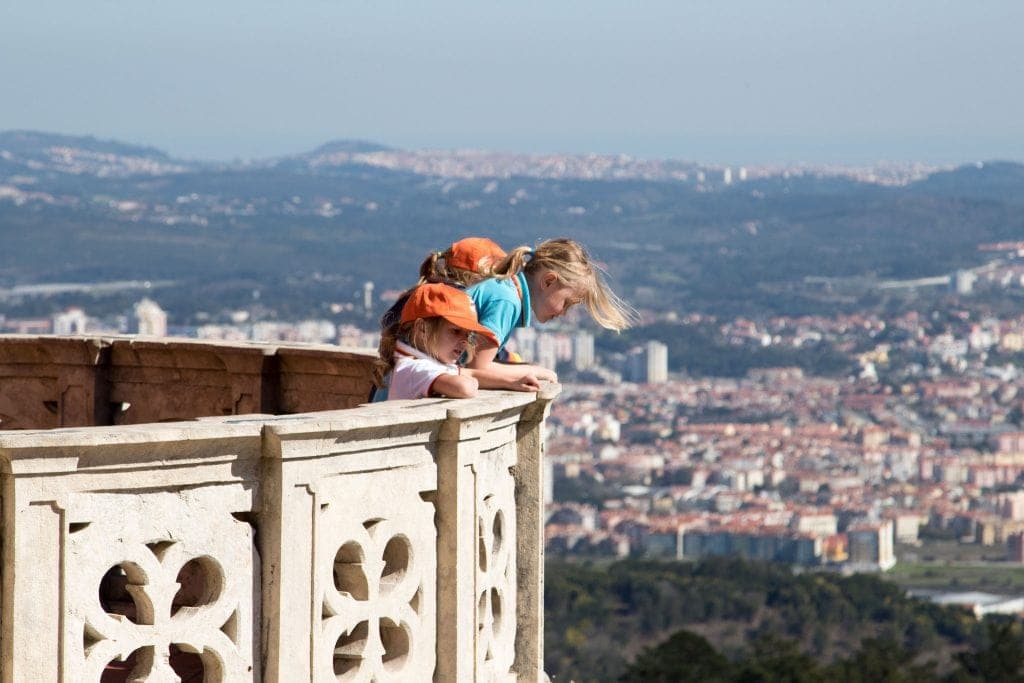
55	382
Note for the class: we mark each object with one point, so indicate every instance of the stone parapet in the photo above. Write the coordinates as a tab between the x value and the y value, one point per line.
398	541
50	382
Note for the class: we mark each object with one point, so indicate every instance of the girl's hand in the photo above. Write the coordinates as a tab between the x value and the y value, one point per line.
528	382
509	376
546	375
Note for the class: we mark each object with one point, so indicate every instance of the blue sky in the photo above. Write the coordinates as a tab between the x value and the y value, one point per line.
731	81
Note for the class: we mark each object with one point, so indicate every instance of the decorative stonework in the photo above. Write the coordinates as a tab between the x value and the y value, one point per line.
496	564
388	542
376	559
145	575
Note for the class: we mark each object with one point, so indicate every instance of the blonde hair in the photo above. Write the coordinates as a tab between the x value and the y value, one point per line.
572	264
422	334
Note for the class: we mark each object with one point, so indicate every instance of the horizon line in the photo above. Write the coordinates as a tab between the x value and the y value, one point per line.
384	147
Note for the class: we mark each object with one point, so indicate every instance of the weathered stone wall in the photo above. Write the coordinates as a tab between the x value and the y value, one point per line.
391	542
50	382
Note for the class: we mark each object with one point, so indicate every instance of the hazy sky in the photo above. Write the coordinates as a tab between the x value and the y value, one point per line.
734	81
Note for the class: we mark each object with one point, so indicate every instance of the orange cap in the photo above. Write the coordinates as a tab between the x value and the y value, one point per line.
442	301
473	252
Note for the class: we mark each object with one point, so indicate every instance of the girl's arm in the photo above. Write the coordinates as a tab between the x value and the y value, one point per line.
514	377
463	385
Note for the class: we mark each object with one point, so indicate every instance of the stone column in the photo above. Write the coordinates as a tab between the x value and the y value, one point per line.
348	532
480	536
529	473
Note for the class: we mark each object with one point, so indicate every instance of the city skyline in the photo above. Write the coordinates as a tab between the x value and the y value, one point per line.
733	83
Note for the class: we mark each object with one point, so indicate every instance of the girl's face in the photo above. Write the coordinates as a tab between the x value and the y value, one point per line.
551	298
450	343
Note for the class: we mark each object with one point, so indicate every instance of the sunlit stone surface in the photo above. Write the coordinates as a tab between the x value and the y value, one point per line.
178	510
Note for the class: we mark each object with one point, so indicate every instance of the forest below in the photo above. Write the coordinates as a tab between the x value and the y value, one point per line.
729	620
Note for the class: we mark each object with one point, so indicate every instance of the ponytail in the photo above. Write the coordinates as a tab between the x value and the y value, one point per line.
513	264
436	268
385	361
429	268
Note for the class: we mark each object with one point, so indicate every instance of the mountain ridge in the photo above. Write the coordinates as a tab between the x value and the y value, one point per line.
39	145
304	235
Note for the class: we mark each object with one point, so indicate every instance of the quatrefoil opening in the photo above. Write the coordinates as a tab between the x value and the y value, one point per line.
350	650
349	575
116	598
125	593
140	665
489	610
351	568
201	582
396	557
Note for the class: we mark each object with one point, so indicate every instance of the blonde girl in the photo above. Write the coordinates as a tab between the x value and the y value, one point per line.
543	283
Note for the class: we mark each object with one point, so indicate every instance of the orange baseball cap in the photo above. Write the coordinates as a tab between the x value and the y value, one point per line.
442	301
473	252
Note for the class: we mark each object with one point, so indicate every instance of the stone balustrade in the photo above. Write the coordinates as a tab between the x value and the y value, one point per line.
399	541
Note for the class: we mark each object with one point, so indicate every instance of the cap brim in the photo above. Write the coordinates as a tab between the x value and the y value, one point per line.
472	326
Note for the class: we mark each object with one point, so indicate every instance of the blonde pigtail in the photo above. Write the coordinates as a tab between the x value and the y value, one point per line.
513	264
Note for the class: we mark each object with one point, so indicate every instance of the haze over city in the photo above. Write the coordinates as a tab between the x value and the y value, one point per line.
739	82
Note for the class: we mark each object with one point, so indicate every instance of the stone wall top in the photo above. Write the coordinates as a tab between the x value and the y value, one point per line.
51	382
174	443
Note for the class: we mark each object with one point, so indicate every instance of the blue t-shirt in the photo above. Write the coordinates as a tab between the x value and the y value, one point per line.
499	307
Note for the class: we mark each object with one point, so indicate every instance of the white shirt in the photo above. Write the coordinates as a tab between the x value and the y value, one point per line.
415	372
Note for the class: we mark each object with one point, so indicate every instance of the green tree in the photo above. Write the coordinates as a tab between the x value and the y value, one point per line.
1001	660
685	656
775	660
881	660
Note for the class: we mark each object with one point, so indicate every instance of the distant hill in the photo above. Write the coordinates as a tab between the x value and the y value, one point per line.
36	144
992	180
303	232
32	153
350	147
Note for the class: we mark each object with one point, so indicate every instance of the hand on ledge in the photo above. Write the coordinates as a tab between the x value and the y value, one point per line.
511	376
527	382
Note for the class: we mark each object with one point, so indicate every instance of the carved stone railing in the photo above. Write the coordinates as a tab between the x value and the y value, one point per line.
397	541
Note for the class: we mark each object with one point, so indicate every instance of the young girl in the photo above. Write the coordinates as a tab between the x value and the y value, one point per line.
434	331
544	282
